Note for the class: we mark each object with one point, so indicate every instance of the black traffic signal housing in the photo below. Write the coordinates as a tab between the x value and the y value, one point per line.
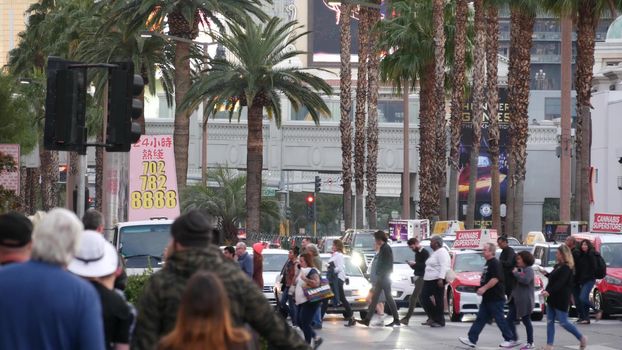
318	184
65	107
310	207
124	107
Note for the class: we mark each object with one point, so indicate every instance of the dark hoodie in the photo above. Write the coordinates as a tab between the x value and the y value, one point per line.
157	307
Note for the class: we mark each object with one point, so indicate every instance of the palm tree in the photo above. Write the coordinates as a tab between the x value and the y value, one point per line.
345	106
457	103
226	202
183	19
523	14
371	172
254	80
492	48
438	19
479	80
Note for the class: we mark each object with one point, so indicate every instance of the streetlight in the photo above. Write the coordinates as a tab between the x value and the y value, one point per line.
220	54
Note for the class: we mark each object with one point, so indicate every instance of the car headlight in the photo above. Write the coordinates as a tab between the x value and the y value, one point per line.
466	289
357	259
360	293
613	280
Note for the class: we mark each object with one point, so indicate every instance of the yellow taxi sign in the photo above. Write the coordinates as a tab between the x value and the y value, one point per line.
534	237
448	227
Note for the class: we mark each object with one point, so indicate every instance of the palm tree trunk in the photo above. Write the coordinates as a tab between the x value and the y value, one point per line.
182	117
509	196
519	78
428	195
492	47
33	186
72	180
49	179
457	105
254	165
372	122
345	105
359	118
586	32
439	107
479	79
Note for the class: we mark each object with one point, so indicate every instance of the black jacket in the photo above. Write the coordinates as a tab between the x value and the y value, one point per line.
559	287
508	261
420	258
384	261
585	265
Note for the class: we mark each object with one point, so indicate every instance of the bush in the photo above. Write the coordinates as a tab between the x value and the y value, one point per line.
135	285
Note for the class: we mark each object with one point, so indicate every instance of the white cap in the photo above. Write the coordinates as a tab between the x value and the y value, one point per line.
95	257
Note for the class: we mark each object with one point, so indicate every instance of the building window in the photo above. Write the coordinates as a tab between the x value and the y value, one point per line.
164	110
552	108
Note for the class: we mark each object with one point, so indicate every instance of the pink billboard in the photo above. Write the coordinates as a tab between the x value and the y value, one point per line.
153	183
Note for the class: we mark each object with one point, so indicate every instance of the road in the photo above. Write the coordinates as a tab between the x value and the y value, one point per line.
602	335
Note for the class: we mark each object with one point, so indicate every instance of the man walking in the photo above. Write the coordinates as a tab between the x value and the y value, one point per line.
383	280
508	261
433	293
244	259
288	281
492	292
421	255
15	238
190	250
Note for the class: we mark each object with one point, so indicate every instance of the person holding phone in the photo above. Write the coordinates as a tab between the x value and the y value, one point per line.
418	266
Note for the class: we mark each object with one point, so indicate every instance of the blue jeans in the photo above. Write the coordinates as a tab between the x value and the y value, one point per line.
305	316
582	299
488	310
288	303
553	314
317	317
526	321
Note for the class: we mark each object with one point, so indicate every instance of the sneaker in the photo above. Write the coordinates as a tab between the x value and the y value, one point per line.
527	346
467	342
351	322
317	342
405	321
427	322
395	323
508	344
436	325
363	322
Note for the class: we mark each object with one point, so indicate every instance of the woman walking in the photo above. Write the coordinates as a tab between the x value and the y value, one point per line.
203	320
585	278
557	296
522	298
308	276
338	261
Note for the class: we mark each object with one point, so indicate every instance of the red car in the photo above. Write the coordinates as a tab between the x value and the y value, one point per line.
462	295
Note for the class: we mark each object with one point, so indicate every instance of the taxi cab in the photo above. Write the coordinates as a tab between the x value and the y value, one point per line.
468	265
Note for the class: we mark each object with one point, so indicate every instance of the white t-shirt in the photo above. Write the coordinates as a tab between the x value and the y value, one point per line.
340	265
299	294
437	265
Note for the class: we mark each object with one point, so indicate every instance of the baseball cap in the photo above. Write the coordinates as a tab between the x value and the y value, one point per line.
15	230
95	257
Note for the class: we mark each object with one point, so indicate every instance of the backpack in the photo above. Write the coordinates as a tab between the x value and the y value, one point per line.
601	266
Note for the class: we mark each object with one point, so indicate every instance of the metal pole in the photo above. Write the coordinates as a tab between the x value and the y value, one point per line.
406	171
81	186
565	144
204	136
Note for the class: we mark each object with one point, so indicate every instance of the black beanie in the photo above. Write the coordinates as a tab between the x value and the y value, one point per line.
15	230
192	230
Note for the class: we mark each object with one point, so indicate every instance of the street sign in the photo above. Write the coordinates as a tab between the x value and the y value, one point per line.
268	192
610	223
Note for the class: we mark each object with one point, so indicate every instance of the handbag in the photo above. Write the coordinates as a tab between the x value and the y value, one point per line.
318	293
450	276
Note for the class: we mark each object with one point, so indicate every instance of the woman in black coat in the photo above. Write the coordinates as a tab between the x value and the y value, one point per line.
557	294
585	278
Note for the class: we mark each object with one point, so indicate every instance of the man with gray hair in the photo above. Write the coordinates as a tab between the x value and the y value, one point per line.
492	292
244	259
45	306
93	220
433	293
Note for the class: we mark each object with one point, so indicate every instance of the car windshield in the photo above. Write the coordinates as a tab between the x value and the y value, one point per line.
513	241
351	270
364	241
143	245
273	262
552	256
401	254
472	262
612	253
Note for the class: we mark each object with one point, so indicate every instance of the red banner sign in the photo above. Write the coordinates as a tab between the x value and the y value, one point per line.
611	223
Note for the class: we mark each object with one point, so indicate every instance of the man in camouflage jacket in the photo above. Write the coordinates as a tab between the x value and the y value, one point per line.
189	252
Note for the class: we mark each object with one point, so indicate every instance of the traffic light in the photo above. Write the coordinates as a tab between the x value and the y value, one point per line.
310	207
318	184
65	107
124	107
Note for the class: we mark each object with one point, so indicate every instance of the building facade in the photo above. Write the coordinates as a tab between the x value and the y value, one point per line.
13	20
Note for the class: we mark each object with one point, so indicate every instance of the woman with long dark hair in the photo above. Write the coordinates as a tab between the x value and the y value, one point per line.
203	320
309	276
585	278
557	294
522	298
